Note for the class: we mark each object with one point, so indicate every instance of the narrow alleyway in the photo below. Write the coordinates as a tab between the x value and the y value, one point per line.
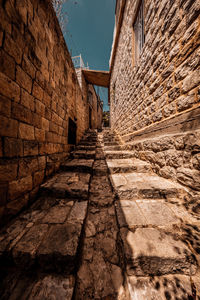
105	227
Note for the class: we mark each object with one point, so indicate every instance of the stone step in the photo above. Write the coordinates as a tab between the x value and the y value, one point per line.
78	165
87	143
100	168
128	165
153	252
160	287
145	212
31	285
67	185
85	147
145	185
48	241
83	154
112	148
111	143
118	154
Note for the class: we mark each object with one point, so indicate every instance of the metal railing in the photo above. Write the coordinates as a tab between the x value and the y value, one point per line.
79	63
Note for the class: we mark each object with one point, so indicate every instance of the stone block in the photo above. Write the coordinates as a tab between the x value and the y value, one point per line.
7	64
129	214
20	186
57	215
30	148
11	47
28	67
1	38
37	91
8	170
78	165
78	212
68	184
45	124
39	135
37	120
42	162
189	177
8	127
5	106
25	251
58	249
128	166
157	213
191	81
21	113
13	147
9	88
135	185
57	286
26	132
27	166
118	154
39	108
27	100
38	178
185	102
3	193
23	79
160	287
15	206
149	251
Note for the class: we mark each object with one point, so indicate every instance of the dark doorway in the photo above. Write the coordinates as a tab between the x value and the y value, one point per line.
90	117
72	132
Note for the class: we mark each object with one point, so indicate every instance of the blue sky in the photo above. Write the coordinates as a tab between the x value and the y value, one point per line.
89	32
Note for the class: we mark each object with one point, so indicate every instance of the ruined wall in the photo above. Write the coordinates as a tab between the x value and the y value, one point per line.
155	103
39	91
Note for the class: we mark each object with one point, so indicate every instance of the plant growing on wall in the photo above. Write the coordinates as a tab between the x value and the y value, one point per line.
61	14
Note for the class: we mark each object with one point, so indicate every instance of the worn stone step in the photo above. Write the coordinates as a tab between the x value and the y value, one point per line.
78	165
160	287
67	185
149	251
128	165
111	143
145	185
49	242
83	154
100	168
87	143
85	147
18	284
118	154
112	148
146	212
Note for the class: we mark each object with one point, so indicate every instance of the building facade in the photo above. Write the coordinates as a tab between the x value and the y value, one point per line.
154	85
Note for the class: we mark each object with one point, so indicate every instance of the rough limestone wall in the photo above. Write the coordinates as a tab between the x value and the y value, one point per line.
99	116
39	91
159	97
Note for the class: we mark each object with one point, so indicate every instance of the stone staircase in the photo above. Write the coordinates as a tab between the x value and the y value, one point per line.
152	219
104	227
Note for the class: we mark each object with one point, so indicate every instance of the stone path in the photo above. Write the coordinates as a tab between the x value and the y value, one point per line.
104	227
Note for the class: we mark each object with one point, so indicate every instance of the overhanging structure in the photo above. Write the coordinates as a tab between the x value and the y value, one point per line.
99	78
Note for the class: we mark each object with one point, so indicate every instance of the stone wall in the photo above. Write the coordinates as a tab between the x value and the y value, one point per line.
155	102
95	103
39	91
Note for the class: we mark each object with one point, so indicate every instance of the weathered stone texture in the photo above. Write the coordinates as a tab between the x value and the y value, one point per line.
162	86
39	92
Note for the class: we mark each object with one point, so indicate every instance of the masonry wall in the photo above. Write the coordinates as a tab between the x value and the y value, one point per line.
39	91
155	103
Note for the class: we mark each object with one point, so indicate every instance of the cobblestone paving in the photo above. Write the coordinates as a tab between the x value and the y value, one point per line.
104	227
